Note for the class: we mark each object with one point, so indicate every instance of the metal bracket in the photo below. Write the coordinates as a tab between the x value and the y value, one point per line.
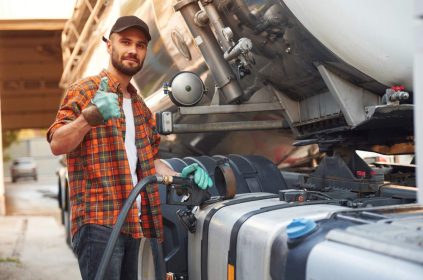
227	126
166	126
228	109
290	109
216	97
351	98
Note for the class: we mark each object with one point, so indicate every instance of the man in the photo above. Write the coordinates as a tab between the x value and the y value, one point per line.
111	142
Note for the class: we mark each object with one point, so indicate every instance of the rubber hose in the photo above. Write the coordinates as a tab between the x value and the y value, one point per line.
120	221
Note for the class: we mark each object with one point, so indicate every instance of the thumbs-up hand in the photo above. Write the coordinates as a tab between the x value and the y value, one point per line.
104	105
106	102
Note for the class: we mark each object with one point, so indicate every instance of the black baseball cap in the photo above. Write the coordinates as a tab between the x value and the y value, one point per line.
126	22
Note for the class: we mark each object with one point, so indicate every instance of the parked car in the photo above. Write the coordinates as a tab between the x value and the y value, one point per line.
63	197
23	167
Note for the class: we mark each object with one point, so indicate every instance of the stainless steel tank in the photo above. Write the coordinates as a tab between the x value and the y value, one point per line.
367	44
267	219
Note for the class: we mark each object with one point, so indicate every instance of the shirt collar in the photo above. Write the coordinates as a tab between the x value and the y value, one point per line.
114	83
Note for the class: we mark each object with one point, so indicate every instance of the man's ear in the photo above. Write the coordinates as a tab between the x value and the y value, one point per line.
109	46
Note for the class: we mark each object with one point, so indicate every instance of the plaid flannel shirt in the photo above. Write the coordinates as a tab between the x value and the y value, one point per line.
98	169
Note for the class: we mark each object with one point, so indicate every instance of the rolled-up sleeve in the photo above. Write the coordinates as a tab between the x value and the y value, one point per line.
75	100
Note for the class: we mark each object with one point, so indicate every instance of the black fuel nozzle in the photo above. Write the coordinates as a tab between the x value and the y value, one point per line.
184	191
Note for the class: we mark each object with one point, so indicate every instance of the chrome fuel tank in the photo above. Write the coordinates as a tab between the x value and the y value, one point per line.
241	232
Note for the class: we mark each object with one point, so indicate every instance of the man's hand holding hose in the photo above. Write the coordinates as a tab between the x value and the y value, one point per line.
103	106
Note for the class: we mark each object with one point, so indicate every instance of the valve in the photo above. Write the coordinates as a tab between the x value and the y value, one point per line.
394	95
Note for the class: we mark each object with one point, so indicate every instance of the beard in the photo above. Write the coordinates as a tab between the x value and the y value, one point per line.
126	70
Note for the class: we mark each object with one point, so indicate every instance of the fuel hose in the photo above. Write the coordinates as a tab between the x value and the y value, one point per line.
124	212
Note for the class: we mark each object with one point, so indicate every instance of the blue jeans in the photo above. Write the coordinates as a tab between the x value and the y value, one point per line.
89	244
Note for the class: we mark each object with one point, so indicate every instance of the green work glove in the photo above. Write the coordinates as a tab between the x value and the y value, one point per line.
201	178
104	105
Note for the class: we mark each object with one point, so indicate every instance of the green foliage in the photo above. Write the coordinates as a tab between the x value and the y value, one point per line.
9	137
10	260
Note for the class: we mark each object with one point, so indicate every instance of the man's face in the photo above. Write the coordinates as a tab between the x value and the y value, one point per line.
128	49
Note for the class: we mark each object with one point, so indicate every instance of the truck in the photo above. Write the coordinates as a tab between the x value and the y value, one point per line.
282	96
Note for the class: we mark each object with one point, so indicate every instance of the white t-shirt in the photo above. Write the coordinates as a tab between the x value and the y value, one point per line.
131	149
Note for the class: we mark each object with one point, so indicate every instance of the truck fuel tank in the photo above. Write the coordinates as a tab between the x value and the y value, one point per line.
235	237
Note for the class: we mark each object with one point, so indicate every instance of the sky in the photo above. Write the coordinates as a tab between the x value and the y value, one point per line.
36	9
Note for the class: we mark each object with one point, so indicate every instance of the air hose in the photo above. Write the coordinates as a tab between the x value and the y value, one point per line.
124	212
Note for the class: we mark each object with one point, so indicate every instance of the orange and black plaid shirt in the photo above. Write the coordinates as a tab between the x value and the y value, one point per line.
99	176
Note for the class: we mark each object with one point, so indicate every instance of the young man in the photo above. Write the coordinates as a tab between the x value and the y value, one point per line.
111	142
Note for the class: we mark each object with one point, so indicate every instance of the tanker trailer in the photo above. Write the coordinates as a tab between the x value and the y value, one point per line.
277	68
323	74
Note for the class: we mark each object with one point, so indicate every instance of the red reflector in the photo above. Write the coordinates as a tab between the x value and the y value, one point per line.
360	173
397	88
